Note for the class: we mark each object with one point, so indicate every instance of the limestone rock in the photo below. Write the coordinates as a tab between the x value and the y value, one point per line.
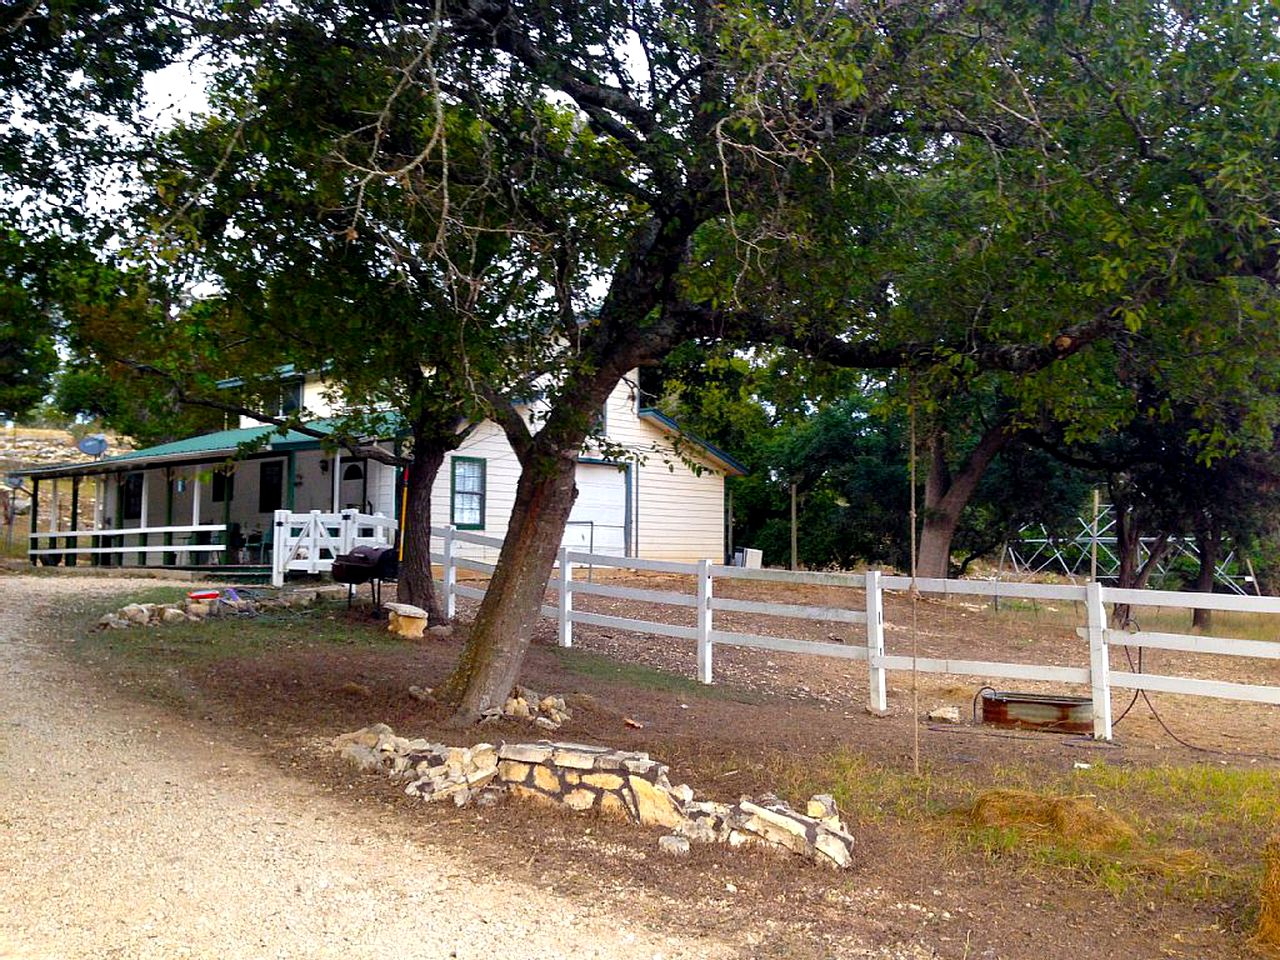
654	805
441	631
546	723
580	799
172	615
516	707
545	779
525	752
421	694
945	714
821	806
134	613
406	621
674	846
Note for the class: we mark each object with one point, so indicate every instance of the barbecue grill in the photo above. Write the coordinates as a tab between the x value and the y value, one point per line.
370	565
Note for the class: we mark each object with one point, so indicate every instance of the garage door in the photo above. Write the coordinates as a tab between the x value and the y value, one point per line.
598	521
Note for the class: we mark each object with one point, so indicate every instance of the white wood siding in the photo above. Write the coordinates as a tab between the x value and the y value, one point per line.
674	514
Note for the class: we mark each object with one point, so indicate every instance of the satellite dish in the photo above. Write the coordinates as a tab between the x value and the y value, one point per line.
94	445
13	482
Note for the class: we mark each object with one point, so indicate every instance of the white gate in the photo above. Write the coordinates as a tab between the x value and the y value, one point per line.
308	542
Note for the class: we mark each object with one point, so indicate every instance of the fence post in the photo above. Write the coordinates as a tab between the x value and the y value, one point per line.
450	576
314	531
704	621
879	700
279	547
347	530
566	599
1099	661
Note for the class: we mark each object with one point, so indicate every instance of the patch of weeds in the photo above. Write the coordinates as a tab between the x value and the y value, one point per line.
865	791
596	666
222	638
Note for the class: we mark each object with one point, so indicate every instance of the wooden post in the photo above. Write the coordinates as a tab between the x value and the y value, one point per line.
566	599
170	559
144	520
1099	661
227	492
99	505
879	701
795	559
450	576
728	538
704	621
73	542
290	480
33	543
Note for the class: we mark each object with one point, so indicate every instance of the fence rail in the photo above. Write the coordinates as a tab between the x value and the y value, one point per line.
1095	671
113	541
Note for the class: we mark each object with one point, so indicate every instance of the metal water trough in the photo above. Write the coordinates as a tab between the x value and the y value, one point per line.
1041	711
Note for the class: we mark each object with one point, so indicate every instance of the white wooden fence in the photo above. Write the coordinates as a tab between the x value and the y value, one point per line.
1095	673
308	542
184	540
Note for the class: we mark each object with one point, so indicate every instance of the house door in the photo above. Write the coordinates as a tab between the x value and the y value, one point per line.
353	489
598	522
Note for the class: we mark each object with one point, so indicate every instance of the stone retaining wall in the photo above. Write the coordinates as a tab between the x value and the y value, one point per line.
621	784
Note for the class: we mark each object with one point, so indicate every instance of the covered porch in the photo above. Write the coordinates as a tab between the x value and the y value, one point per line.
203	503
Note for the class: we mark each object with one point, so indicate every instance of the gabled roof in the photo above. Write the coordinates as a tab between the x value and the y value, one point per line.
731	467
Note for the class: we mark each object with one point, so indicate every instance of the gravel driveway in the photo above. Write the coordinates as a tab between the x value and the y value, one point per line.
127	833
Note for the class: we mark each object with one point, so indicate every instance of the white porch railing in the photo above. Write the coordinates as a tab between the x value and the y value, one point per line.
179	541
308	542
1093	669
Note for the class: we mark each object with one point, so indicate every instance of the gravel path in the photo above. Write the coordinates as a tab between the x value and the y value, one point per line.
127	833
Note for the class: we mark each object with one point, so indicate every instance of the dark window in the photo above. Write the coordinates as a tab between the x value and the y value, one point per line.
353	471
290	397
271	487
467	488
223	487
132	505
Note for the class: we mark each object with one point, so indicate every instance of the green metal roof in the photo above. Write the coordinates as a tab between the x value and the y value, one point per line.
208	447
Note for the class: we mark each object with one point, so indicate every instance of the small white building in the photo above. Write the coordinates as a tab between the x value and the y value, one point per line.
649	491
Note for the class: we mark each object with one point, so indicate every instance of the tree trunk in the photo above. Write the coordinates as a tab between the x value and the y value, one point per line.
1132	575
946	495
1209	546
495	649
416	585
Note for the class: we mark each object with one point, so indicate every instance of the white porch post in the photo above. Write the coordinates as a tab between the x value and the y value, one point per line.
53	509
337	481
144	516
195	511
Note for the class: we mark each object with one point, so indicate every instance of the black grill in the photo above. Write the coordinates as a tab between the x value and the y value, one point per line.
364	564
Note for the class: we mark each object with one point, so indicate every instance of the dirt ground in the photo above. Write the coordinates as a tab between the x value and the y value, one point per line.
776	722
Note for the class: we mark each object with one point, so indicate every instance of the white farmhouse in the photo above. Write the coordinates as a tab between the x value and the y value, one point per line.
655	493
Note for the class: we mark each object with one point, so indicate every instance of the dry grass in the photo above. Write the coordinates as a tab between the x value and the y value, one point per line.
1267	938
1076	819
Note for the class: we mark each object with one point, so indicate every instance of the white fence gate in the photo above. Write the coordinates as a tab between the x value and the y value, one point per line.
308	542
1094	671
